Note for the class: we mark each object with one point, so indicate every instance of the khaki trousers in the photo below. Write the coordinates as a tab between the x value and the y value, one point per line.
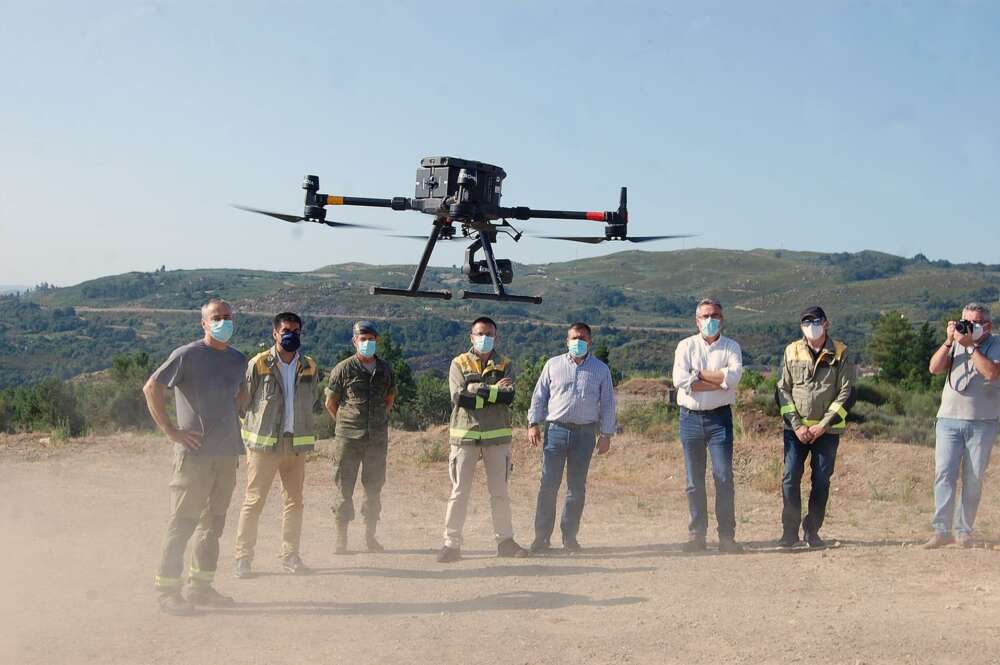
200	491
461	468
262	467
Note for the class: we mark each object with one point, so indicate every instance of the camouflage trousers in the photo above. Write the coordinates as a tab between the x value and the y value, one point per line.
369	455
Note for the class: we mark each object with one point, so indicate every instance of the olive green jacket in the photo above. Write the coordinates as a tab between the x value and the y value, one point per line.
481	412
265	410
816	391
362	398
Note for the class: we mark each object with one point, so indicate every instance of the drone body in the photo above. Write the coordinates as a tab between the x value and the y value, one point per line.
466	194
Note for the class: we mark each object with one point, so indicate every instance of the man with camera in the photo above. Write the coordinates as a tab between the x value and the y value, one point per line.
814	392
967	422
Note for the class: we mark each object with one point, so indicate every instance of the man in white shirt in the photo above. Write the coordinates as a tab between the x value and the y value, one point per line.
707	369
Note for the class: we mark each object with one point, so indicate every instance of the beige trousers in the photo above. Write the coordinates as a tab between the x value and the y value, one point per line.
262	467
461	468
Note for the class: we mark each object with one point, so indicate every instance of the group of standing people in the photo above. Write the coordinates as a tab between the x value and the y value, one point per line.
227	406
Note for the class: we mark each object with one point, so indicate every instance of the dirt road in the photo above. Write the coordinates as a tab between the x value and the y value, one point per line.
81	525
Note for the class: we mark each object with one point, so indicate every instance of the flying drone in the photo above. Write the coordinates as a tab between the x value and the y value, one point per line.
463	195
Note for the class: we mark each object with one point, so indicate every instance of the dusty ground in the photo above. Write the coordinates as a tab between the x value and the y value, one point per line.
81	525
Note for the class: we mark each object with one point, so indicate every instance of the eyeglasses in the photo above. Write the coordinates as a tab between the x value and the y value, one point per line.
811	320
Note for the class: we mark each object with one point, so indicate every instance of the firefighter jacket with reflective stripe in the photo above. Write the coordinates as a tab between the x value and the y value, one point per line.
265	411
815	389
481	411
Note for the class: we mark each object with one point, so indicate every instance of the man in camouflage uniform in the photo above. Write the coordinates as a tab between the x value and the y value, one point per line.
482	391
814	392
359	396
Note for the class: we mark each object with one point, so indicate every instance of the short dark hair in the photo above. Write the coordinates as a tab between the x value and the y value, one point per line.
580	326
485	319
286	317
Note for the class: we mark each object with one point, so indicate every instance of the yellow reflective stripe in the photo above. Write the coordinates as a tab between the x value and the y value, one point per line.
488	434
839	410
166	582
258	439
202	575
303	440
810	423
479	402
788	408
494	392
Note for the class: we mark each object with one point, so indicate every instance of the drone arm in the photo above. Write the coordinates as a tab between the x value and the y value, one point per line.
396	203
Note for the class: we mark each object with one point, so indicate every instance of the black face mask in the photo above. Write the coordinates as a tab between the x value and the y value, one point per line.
290	342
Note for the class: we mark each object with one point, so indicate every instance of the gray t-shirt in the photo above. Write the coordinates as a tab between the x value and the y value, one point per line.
205	383
968	395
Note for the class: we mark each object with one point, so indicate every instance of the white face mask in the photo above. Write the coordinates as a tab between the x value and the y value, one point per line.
978	331
813	331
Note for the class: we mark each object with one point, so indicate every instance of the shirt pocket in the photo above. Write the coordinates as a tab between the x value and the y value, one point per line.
269	385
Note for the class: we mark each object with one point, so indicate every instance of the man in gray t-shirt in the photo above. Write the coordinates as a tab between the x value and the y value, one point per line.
967	423
207	379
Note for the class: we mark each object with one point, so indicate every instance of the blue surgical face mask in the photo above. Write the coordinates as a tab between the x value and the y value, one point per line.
367	347
710	327
577	347
221	331
482	343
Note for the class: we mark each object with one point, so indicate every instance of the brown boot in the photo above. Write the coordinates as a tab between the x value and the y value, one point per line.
939	540
370	542
341	545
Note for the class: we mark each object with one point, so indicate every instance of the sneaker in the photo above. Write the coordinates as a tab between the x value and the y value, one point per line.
696	543
572	546
729	546
449	554
540	546
813	540
789	540
293	564
964	540
509	549
205	594
939	540
175	604
243	569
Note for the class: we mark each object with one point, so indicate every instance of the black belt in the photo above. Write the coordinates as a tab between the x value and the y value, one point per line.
572	426
717	410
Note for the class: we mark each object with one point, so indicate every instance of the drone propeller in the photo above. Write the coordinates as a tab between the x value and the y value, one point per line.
593	240
295	219
421	237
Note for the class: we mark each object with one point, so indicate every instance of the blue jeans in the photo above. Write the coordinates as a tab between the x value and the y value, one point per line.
960	445
706	433
572	448
824	455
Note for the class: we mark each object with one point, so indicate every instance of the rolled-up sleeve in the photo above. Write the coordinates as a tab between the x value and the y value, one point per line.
733	371
540	397
683	374
608	406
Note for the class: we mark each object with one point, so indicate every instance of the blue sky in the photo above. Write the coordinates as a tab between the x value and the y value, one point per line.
127	127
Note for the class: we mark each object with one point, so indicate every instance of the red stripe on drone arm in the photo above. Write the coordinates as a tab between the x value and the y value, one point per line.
595	216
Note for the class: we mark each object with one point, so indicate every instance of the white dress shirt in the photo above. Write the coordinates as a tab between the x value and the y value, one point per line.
288	392
694	354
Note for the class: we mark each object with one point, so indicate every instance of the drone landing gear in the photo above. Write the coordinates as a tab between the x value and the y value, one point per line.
414	289
478	272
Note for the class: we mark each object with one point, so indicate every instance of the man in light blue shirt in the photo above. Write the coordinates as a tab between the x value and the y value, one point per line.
574	394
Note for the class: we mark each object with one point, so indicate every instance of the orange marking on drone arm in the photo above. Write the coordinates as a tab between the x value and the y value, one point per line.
334	200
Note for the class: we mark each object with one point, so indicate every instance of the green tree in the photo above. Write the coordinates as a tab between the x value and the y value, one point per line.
525	379
406	387
891	347
602	353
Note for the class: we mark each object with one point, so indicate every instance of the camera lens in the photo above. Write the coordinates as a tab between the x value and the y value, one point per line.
963	327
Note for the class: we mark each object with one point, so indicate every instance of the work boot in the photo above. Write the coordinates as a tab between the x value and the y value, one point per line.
341	545
370	542
571	545
449	554
205	594
813	540
509	549
939	540
293	564
540	546
175	604
695	543
243	569
789	540
964	540
728	545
